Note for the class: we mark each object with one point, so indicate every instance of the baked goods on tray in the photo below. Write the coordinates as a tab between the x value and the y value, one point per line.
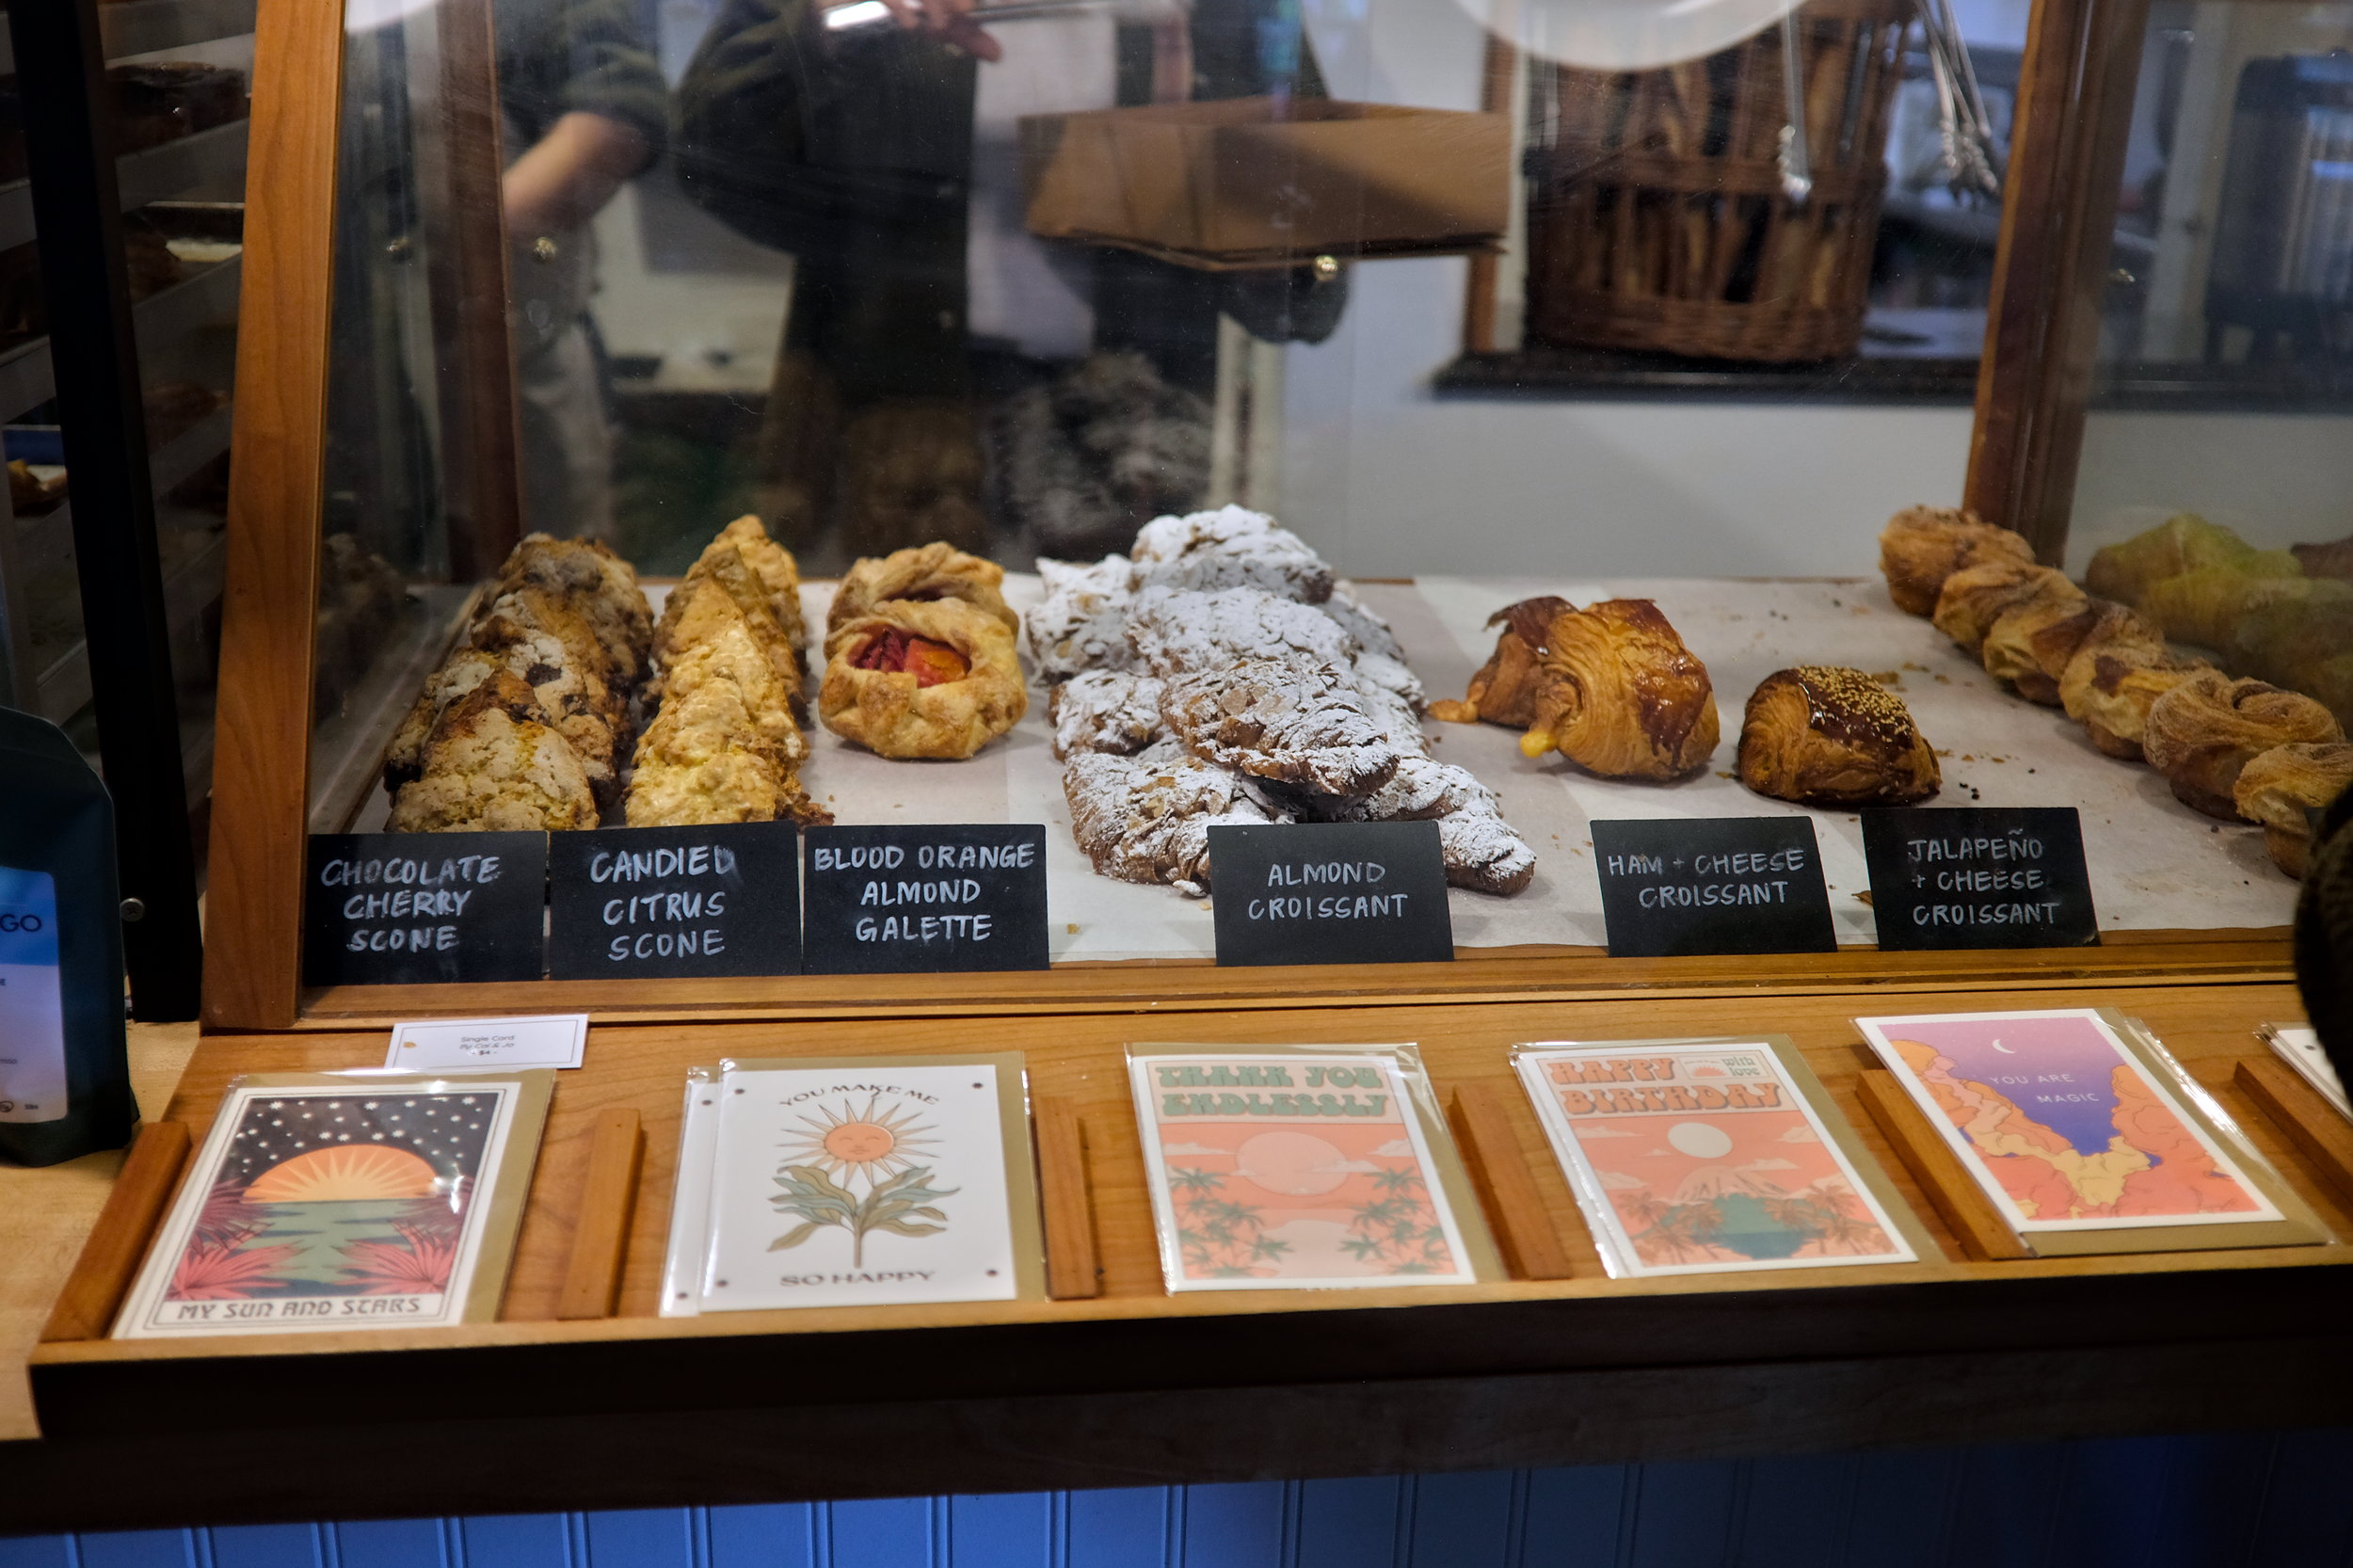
1219	673
726	589
1504	689
2031	645
494	763
921	575
1827	735
1106	710
1146	817
1622	696
2109	690
1290	723
724	746
2283	788
1230	548
2203	731
922	679
1973	598
547	665
1921	546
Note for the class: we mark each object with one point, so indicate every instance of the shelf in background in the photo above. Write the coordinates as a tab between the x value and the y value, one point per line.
208	295
64	684
147	26
153	174
43	538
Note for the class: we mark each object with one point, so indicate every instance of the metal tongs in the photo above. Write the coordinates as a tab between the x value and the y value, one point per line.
1971	167
1796	159
868	13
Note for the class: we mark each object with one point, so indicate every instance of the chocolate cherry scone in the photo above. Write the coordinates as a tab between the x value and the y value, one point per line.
935	679
1827	735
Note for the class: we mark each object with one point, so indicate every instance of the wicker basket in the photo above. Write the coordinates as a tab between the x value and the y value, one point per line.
1657	220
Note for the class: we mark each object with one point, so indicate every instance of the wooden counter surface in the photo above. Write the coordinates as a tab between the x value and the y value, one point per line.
1135	1386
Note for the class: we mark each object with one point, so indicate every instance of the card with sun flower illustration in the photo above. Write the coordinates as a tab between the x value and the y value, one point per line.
1695	1157
865	1181
1289	1167
334	1201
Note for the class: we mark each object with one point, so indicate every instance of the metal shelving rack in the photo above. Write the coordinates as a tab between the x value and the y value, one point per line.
98	604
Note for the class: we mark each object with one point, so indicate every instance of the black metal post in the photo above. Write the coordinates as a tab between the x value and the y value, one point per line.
69	146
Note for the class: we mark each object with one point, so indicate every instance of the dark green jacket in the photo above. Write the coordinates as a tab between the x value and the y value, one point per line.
853	151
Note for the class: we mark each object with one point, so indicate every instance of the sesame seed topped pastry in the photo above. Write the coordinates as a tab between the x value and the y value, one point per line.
1827	735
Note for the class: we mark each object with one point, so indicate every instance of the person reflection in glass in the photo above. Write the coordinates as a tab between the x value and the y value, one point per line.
927	326
584	97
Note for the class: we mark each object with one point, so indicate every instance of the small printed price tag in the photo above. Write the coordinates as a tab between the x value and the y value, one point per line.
1330	893
1712	884
1980	876
474	1045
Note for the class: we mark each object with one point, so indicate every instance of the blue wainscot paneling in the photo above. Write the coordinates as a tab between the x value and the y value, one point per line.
2239	1501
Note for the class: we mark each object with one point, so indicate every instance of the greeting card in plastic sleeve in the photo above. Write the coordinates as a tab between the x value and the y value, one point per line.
335	1200
1277	1167
865	1182
1694	1157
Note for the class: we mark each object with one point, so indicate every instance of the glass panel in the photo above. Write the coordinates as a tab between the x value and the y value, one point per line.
2227	514
1009	287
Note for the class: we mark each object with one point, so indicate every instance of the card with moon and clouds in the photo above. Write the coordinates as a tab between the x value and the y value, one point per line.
337	1201
1697	1157
2085	1134
1286	1167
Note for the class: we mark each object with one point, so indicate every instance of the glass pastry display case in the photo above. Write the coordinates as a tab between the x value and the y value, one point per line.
698	449
936	466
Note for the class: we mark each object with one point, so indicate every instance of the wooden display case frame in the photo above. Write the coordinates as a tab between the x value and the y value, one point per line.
254	929
580	1396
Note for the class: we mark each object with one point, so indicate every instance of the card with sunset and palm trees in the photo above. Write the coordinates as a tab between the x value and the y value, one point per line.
345	1201
1711	1156
1286	1167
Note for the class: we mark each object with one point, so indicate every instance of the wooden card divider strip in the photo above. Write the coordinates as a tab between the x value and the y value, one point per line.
1491	1153
2319	1131
608	1196
1072	1272
1940	1172
102	1275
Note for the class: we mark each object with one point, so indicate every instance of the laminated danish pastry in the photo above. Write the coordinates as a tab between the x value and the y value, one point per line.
2203	732
1826	735
926	574
1921	546
2284	786
937	678
1975	597
2031	647
2110	689
1622	696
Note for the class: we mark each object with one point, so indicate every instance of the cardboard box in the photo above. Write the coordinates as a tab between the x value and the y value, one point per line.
1229	184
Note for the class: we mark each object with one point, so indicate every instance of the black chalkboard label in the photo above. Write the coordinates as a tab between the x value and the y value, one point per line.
925	899
1980	876
637	903
413	908
1330	893
1712	884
